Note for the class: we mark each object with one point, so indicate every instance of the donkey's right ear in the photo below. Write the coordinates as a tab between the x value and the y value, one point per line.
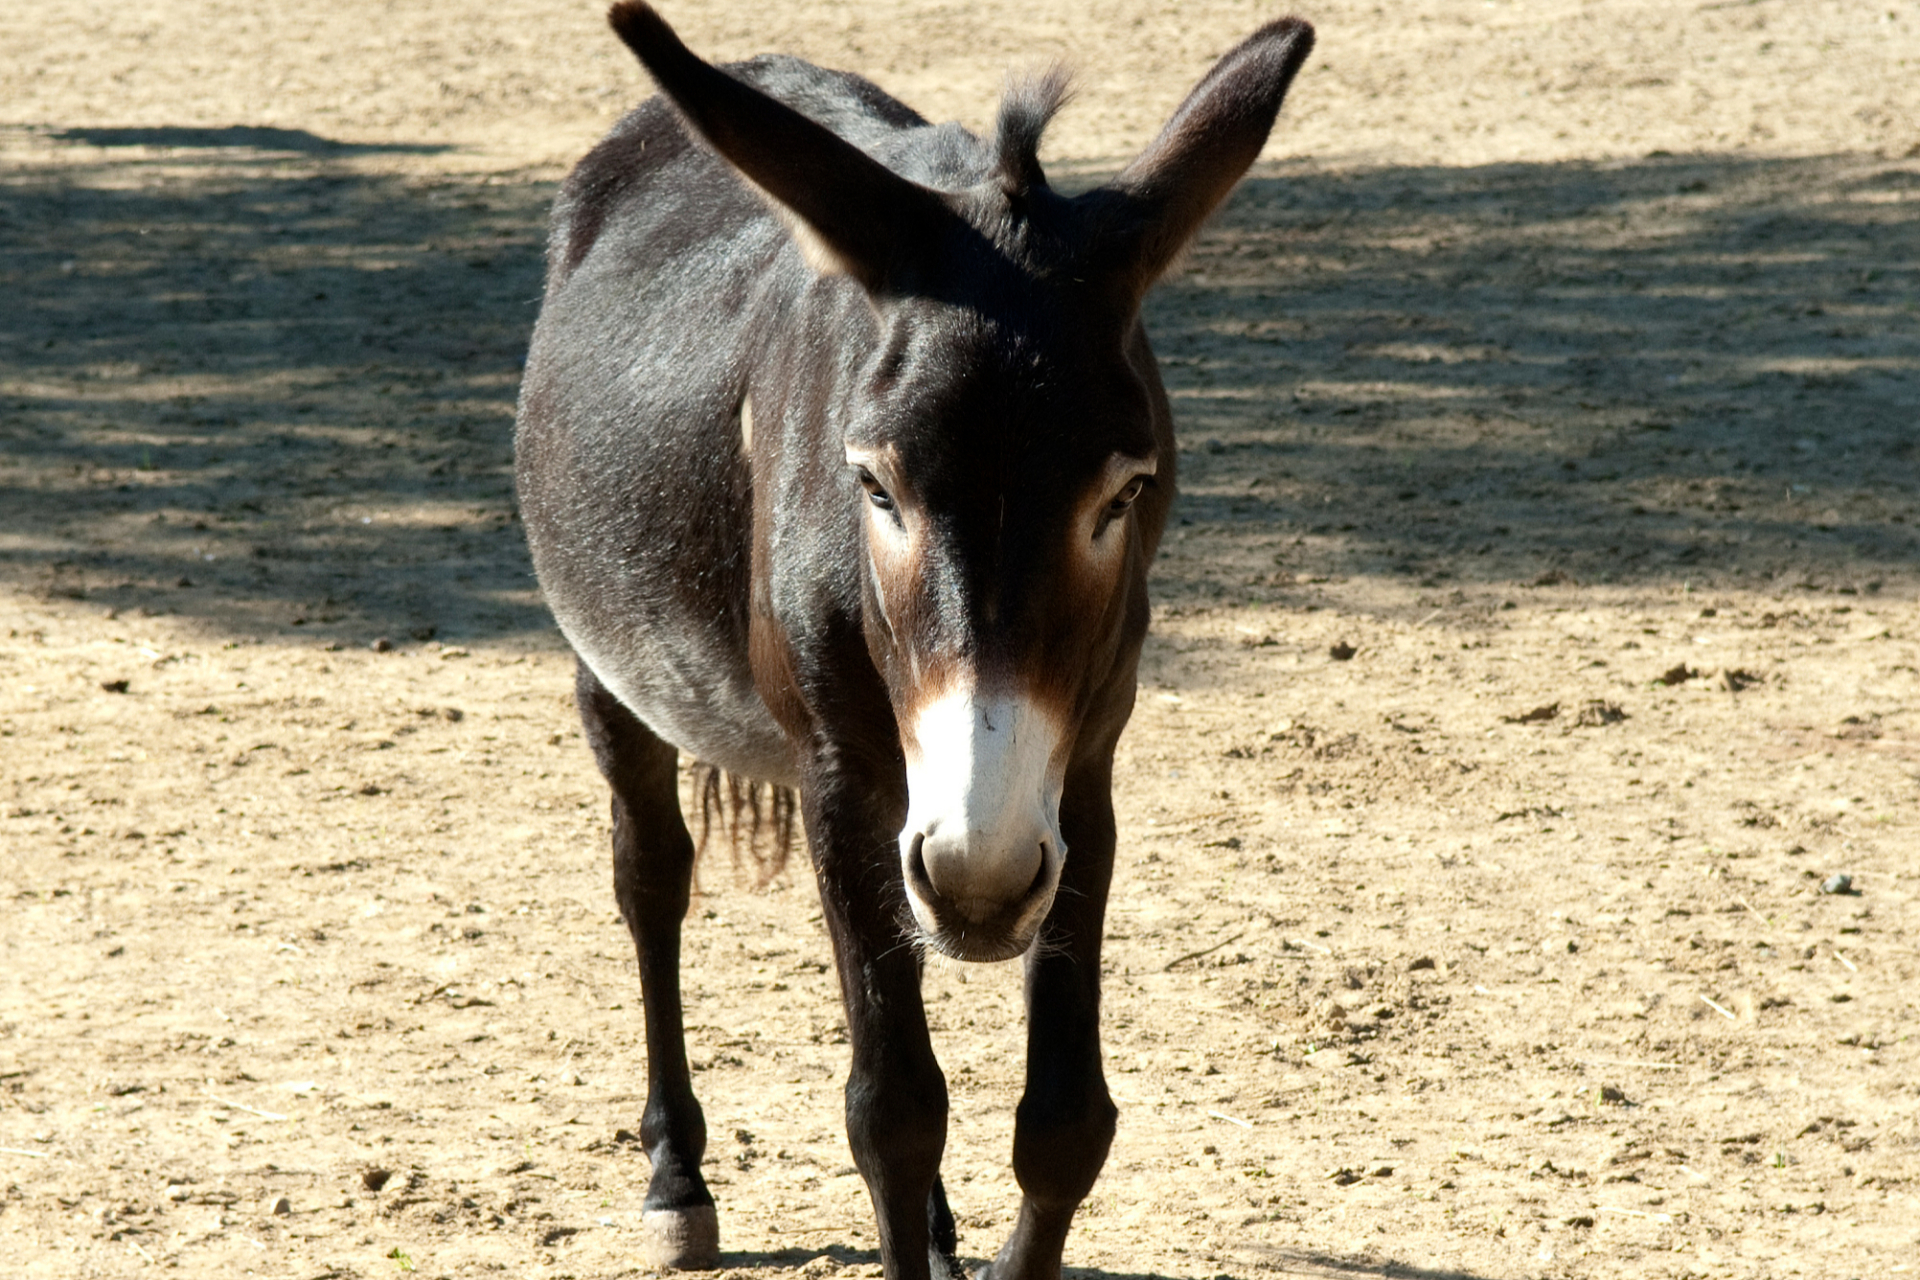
1157	203
849	213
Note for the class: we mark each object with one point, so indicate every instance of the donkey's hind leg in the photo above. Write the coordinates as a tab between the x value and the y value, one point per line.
652	874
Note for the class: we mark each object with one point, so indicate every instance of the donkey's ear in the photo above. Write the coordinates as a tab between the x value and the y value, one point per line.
850	214
1157	203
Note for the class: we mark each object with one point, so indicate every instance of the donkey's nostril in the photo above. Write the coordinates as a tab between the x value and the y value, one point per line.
1039	873
917	866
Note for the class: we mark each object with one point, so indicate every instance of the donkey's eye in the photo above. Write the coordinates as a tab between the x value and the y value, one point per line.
878	496
1124	499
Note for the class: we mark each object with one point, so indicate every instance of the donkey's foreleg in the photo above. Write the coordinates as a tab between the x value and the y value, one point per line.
652	874
896	1093
1065	1121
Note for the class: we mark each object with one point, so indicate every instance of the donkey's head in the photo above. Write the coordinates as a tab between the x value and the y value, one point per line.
1006	444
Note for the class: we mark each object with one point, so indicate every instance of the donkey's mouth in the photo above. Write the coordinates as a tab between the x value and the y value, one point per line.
981	944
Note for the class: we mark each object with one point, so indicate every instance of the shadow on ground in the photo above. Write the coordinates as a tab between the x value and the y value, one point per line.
1700	369
1288	1262
268	384
264	138
266	380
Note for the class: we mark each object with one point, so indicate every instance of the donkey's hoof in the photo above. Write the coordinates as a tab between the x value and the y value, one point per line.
683	1239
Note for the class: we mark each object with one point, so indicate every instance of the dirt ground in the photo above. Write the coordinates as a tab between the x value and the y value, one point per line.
1539	636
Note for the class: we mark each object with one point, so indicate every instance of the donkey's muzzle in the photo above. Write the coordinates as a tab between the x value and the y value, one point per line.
980	852
981	903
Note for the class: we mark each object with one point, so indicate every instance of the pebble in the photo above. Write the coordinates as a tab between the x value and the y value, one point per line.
1347	1176
279	1206
1837	884
374	1179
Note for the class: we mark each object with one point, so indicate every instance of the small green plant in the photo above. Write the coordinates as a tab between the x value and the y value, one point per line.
401	1259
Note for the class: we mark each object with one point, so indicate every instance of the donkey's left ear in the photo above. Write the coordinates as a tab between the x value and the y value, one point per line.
1157	203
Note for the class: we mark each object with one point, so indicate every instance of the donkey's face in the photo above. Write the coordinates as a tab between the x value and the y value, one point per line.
1004	453
1011	487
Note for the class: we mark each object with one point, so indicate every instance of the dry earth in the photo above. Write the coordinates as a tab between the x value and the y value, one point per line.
1560	368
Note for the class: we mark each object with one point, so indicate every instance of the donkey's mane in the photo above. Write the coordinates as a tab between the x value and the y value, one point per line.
1030	103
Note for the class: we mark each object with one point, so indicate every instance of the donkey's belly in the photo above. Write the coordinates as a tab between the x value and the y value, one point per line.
694	693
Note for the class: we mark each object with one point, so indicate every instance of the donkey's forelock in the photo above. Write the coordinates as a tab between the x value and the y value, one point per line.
1030	103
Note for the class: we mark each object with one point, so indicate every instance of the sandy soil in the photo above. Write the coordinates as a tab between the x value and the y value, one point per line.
1540	634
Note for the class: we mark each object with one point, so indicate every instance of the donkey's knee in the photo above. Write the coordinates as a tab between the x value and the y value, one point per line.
1060	1142
897	1124
652	871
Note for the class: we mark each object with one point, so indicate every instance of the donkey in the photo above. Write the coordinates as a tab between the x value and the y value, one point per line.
842	458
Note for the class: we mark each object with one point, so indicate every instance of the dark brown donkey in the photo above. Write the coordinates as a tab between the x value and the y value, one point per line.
843	457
